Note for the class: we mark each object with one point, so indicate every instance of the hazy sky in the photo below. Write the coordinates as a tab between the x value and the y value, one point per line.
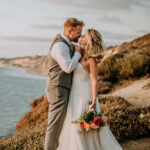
27	26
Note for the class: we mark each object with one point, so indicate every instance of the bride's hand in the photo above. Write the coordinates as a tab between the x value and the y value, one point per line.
93	105
58	36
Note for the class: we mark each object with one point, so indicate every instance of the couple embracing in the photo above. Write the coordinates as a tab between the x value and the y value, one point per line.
72	82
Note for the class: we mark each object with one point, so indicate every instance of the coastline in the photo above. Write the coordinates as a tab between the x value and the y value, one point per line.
27	70
31	72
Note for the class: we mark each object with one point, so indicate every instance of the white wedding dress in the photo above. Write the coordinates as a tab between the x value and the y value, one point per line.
80	95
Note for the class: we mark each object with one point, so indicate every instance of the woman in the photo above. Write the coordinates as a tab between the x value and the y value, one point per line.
84	89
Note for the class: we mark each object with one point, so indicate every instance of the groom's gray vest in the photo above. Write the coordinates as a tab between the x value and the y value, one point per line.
56	75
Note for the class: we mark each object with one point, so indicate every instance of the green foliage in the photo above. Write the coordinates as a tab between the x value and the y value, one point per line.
109	68
136	66
130	67
88	117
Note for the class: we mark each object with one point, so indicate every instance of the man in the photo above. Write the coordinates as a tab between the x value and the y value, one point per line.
63	60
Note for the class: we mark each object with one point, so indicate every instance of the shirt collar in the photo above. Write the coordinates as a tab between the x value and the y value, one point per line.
67	40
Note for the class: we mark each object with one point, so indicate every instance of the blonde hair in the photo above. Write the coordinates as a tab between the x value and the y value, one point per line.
73	22
94	43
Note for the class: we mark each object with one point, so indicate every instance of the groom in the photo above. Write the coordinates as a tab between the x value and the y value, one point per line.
63	60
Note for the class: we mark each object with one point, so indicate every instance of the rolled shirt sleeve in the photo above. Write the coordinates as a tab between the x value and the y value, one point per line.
60	52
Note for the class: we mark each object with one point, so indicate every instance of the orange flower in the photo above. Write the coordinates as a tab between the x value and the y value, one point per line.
86	125
104	119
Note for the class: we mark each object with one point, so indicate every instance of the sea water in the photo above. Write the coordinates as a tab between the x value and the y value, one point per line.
17	91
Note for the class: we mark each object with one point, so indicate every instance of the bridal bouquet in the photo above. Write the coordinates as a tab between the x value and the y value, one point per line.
91	120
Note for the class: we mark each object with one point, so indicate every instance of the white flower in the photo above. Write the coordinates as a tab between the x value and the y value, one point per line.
141	116
87	128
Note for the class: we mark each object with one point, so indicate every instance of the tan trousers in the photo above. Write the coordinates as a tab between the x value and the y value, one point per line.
58	98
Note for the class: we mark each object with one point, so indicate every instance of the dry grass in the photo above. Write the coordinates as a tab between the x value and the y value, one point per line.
125	121
27	139
38	113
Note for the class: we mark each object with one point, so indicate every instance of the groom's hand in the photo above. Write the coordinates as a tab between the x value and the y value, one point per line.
79	49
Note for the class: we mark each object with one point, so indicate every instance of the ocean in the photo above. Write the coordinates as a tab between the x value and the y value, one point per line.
17	91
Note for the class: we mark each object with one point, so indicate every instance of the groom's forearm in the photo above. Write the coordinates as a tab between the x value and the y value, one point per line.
61	54
68	65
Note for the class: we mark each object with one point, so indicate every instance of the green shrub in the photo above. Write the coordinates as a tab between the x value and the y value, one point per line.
109	69
134	66
114	69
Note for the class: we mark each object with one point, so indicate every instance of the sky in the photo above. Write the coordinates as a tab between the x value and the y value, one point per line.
28	26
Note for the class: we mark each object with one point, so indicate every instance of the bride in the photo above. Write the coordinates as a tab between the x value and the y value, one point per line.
84	88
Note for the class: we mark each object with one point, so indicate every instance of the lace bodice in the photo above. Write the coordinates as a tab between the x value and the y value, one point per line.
81	88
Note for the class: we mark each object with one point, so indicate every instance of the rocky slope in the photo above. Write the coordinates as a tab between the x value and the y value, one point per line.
140	45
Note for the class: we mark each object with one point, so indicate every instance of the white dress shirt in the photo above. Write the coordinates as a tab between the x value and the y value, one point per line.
60	52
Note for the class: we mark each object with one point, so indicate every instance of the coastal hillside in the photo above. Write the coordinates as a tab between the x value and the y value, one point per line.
33	64
124	64
127	122
139	45
40	64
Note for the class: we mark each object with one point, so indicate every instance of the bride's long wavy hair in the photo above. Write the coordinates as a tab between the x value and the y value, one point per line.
95	45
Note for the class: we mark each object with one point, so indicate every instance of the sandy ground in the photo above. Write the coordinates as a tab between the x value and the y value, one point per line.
137	93
141	144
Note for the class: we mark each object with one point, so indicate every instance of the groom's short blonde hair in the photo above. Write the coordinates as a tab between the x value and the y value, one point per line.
73	22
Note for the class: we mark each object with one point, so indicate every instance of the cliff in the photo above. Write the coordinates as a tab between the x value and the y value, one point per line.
35	64
140	45
38	114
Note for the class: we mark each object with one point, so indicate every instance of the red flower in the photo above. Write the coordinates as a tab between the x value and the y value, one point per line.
94	126
97	121
82	125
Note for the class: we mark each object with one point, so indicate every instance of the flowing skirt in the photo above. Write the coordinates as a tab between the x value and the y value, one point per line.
70	139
